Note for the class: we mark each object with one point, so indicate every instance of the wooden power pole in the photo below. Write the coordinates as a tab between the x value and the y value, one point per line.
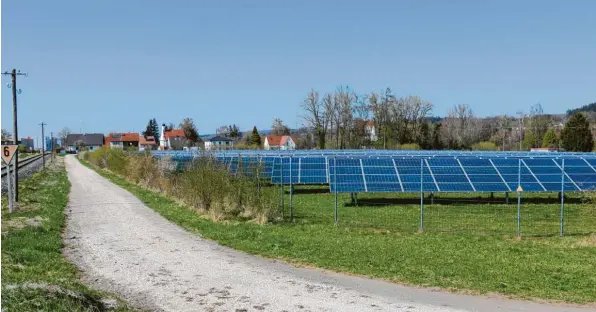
14	75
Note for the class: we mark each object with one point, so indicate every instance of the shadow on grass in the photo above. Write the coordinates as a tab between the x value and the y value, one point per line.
384	201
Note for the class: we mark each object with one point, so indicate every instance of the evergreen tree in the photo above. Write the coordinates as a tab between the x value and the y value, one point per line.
529	140
550	139
152	129
256	137
576	136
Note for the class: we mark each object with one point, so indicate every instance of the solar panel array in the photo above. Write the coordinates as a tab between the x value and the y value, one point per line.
415	171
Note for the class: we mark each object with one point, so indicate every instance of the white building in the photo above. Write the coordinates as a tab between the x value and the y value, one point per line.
218	142
371	130
279	142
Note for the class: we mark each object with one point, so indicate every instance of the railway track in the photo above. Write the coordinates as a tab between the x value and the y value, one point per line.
22	164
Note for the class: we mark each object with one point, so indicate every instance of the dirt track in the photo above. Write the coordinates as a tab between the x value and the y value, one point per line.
125	247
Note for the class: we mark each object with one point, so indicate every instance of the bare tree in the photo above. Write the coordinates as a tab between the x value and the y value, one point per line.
316	116
63	134
279	128
6	135
460	127
539	122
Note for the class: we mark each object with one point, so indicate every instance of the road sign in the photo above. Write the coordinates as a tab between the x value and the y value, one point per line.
8	152
519	189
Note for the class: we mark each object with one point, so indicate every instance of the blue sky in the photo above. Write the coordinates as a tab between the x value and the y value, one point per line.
103	66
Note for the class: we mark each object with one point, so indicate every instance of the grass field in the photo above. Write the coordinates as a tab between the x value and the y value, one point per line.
35	275
381	241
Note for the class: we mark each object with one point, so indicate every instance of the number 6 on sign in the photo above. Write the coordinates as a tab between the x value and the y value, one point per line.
8	152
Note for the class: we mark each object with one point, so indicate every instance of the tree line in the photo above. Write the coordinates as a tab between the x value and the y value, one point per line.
344	119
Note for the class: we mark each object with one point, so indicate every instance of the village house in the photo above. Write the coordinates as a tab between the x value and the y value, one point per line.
218	142
147	143
174	139
122	140
90	141
371	131
279	142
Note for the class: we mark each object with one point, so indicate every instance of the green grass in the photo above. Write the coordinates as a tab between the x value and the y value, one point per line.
382	242
35	275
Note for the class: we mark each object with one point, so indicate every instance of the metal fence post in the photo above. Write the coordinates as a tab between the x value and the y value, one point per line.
421	228
281	172
10	191
258	176
336	216
518	197
291	191
562	196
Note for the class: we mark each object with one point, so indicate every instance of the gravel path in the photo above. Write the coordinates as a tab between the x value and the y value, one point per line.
125	247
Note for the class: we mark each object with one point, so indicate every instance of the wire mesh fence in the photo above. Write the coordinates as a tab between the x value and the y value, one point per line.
438	206
468	194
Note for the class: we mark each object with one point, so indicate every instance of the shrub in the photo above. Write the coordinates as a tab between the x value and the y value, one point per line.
485	146
410	146
203	183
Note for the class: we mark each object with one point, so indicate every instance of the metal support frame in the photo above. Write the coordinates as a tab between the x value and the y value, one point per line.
336	216
281	164
562	197
518	198
421	228
10	191
291	192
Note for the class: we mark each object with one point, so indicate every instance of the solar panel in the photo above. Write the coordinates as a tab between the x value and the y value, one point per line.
399	171
449	175
380	175
549	174
580	172
346	175
312	170
509	167
285	170
483	175
409	173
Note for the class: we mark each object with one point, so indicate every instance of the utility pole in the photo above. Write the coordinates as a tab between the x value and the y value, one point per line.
52	145
43	152
14	75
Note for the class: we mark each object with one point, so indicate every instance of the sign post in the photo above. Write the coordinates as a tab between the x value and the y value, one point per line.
8	152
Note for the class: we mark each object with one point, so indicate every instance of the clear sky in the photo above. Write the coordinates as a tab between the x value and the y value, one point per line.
102	66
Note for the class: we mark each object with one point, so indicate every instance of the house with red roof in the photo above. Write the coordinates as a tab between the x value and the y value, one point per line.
147	143
279	142
122	139
175	139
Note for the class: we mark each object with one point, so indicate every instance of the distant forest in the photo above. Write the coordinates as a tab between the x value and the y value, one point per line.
586	108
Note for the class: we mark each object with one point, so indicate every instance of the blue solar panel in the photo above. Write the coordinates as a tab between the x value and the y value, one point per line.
285	171
549	174
409	172
346	176
484	175
449	175
580	172
380	175
397	171
313	170
508	168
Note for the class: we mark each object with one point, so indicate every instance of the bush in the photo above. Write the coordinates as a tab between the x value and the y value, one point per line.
409	146
204	184
485	146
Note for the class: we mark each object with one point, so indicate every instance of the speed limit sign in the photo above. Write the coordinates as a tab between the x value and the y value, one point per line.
8	152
